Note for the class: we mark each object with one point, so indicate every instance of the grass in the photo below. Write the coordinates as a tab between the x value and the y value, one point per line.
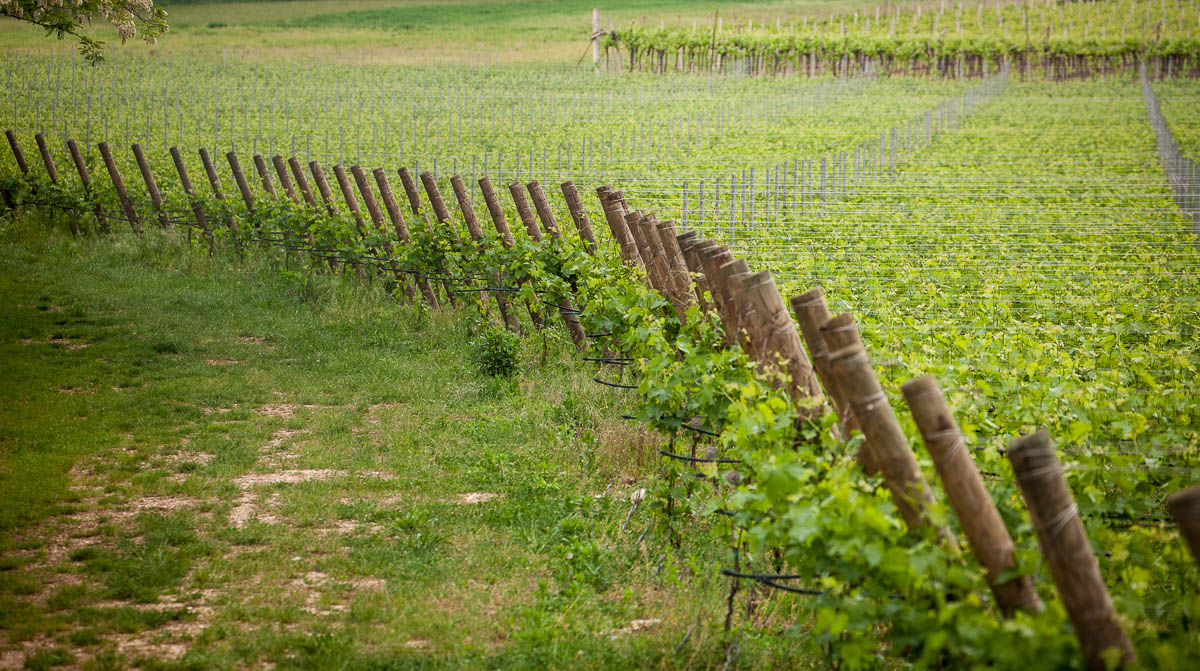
160	396
419	31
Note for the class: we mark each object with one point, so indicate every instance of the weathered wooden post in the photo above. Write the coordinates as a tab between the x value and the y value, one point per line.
579	215
885	439
240	178
989	539
16	151
401	228
496	211
841	332
1064	544
52	173
151	185
614	212
442	213
410	190
281	170
368	197
780	336
115	175
214	181
323	187
463	196
85	178
197	207
811	312
260	166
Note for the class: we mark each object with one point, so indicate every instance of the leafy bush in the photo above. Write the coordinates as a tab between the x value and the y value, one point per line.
494	352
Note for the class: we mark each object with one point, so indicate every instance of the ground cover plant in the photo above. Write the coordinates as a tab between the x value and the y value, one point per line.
274	449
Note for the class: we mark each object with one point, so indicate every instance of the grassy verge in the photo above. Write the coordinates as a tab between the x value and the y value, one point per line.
210	464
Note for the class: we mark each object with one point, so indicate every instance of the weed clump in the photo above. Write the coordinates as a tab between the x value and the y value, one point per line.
495	352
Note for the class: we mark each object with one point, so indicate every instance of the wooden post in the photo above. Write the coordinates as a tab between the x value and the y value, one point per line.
1184	506
301	182
368	197
596	39
750	327
687	242
401	228
352	205
16	151
463	196
240	178
579	215
442	213
151	185
410	190
496	211
323	187
1064	544
885	439
780	336
677	270
52	172
614	212
989	539
524	211
545	214
838	333
637	233
713	256
214	181
439	205
281	170
115	175
260	166
85	178
351	201
197	208
811	312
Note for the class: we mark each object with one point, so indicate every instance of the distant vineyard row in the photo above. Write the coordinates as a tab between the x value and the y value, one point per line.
1084	40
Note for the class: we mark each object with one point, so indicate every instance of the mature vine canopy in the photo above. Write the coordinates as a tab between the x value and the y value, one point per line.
131	18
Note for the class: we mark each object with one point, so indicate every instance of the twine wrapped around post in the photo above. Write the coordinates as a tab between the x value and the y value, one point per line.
301	182
542	205
989	539
1064	544
885	439
1184	506
780	336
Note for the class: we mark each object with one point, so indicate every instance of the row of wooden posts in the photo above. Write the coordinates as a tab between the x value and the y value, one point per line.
687	269
295	184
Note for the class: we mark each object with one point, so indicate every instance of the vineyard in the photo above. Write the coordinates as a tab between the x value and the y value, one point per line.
1043	38
870	370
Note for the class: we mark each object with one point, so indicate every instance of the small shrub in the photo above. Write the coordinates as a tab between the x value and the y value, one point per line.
494	352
